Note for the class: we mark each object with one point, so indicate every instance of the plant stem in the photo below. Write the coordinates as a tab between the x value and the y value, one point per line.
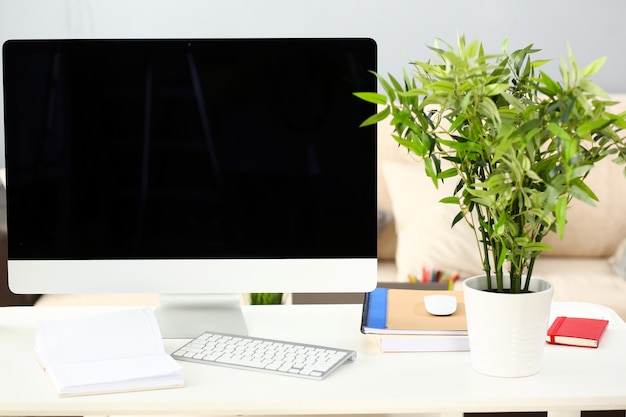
529	273
486	243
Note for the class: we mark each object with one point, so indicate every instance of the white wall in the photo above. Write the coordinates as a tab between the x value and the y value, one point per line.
402	28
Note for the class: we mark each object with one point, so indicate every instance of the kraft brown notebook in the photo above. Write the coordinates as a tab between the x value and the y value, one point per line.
406	311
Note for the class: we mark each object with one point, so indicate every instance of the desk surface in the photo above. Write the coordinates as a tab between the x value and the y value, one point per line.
572	379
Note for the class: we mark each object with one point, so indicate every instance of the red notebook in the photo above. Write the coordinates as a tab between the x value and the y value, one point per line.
576	331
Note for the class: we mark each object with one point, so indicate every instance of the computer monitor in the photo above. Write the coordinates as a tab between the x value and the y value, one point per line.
190	167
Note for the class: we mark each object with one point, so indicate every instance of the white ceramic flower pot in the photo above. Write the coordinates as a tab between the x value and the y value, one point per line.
507	331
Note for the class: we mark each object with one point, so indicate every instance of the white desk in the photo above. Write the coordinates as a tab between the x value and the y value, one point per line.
572	379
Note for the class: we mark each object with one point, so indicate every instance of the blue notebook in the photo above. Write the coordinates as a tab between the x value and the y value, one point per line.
376	309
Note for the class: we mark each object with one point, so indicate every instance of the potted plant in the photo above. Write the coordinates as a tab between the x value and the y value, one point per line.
519	145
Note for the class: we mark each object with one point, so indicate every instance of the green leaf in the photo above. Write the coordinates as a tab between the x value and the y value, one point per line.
550	84
473	48
450	200
458	121
396	85
590	87
448	173
578	170
565	74
495	89
391	92
594	67
560	214
374	98
536	246
573	62
445	86
378	117
592	126
559	131
505	44
540	62
457	218
568	111
413	146
583	101
488	108
413	92
513	101
502	256
581	191
430	170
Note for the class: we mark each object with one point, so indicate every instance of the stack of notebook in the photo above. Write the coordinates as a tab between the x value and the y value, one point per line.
400	323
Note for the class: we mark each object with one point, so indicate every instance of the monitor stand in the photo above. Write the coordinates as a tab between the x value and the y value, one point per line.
185	316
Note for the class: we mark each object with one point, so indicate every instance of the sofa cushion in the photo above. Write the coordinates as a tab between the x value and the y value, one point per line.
423	225
589	280
382	219
618	260
595	231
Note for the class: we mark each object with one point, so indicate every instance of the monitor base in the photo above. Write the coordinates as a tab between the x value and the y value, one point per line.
185	316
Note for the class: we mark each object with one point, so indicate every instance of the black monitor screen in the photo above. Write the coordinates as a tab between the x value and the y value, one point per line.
189	148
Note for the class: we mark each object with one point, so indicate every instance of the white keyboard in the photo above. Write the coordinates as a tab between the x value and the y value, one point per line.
266	355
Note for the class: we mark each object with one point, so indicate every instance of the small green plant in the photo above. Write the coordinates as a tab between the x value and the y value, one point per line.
261	298
518	143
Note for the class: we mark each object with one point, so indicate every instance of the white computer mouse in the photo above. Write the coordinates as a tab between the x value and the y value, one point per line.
440	305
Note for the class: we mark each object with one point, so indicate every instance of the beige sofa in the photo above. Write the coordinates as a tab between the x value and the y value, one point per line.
584	266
